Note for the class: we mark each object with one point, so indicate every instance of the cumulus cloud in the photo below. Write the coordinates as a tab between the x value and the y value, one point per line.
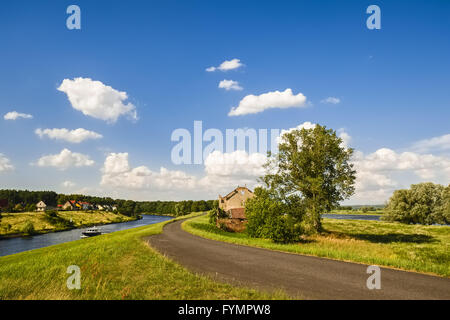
118	173
230	85
440	143
5	164
74	136
226	65
14	115
68	184
97	100
64	160
381	172
331	100
238	163
305	125
346	138
254	104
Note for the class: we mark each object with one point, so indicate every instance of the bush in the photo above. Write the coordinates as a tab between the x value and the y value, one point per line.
215	214
28	228
51	216
424	203
267	218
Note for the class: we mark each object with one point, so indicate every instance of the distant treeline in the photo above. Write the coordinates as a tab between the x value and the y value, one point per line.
361	208
24	200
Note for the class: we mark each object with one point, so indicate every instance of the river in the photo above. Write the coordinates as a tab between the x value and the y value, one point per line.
372	217
15	245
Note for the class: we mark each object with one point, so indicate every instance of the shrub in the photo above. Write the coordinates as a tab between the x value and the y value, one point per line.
215	214
424	203
52	217
267	218
28	228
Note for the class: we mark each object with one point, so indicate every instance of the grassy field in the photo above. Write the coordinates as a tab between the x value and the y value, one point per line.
408	247
12	223
118	265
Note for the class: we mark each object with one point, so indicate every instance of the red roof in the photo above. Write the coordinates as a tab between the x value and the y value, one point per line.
237	213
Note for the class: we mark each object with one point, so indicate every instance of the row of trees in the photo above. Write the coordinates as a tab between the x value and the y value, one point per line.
24	200
424	203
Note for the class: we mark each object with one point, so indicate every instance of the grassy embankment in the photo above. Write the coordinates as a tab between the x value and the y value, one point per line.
11	224
408	247
118	265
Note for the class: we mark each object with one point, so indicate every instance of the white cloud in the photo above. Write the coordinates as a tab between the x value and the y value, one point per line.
74	136
435	143
226	65
331	100
97	100
346	138
118	173
14	115
5	164
68	184
230	85
64	160
254	104
381	172
305	125
238	163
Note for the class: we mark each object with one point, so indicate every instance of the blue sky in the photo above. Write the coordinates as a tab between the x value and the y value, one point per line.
392	84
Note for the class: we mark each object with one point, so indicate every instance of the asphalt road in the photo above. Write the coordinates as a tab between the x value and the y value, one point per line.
300	276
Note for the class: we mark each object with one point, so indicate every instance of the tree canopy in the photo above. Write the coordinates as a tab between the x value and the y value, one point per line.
423	203
311	173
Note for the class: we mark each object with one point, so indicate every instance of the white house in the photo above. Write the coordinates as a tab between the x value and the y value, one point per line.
41	206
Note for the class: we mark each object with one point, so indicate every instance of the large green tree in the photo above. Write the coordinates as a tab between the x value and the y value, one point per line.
311	173
423	203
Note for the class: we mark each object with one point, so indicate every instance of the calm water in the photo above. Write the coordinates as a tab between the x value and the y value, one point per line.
352	216
15	245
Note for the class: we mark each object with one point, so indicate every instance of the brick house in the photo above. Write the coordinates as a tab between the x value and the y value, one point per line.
233	204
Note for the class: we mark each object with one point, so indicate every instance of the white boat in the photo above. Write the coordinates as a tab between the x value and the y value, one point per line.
90	232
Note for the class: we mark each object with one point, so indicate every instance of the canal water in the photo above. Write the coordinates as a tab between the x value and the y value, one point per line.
372	217
15	245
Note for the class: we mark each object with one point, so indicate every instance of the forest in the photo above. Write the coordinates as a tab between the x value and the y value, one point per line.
25	200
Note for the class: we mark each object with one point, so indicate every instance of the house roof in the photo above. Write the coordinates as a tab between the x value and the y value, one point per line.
235	191
237	213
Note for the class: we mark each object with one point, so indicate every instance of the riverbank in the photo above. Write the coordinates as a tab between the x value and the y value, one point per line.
116	266
12	224
408	247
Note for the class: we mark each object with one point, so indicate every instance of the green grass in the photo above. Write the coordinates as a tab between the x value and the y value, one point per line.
409	247
118	265
11	224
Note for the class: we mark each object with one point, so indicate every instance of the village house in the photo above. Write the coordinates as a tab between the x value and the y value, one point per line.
233	204
71	205
41	206
86	206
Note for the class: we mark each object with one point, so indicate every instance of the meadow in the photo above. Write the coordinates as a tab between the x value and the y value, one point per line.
12	224
119	265
408	247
